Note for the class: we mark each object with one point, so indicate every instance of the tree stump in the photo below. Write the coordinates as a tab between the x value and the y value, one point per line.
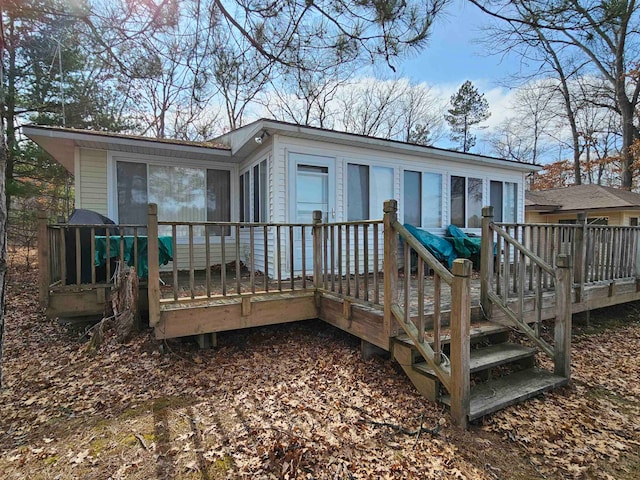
123	312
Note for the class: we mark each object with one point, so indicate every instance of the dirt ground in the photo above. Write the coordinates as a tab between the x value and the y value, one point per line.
294	401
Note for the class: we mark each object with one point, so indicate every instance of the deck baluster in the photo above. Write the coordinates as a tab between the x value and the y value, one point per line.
356	260
207	256
376	259
238	266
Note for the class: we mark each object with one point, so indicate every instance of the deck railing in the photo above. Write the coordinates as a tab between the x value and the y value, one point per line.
350	259
510	271
600	253
231	259
70	257
454	375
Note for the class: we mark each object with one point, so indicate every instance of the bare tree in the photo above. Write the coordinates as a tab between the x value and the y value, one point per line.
584	36
306	97
525	136
420	115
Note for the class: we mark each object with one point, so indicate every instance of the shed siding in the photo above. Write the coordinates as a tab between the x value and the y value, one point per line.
93	180
615	217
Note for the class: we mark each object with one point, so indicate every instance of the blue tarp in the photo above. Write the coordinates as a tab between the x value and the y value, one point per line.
437	246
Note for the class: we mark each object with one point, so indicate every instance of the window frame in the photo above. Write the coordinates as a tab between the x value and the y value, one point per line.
503	198
423	206
114	157
372	204
483	182
258	201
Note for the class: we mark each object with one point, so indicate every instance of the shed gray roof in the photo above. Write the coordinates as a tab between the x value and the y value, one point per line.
581	198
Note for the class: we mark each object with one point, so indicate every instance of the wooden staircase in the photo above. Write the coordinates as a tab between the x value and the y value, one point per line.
473	367
502	373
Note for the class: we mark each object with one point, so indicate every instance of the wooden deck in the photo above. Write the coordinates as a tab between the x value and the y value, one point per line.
375	281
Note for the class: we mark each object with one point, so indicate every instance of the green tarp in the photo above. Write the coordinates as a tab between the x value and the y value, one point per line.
165	253
437	246
464	245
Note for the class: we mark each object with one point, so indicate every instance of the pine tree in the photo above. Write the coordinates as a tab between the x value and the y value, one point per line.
468	108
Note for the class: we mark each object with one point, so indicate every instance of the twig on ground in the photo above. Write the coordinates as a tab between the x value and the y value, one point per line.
400	429
141	440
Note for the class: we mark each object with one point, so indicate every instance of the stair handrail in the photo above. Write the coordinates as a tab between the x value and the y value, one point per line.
561	275
455	378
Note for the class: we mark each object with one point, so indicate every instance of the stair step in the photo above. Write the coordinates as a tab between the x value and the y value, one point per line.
488	357
478	330
497	394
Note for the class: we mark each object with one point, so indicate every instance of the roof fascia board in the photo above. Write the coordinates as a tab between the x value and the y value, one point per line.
124	142
386	145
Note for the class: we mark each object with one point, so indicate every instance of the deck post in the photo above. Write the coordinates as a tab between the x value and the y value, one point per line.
636	257
562	330
44	277
486	260
390	265
317	249
153	280
460	341
580	253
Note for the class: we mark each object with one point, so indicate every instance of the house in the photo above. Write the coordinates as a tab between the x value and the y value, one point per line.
602	205
276	172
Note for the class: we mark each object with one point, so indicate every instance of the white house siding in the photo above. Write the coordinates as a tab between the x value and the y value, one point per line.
399	162
93	166
181	256
92	182
283	146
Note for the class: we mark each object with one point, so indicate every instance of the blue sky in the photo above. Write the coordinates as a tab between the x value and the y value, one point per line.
455	54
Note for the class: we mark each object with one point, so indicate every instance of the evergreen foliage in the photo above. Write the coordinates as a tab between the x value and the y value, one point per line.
468	108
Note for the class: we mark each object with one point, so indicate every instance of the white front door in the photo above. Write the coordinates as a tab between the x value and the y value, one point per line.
313	188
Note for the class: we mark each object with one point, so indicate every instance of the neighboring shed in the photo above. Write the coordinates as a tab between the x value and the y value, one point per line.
602	205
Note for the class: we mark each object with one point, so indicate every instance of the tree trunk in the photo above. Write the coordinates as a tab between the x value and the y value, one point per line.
3	238
628	135
3	199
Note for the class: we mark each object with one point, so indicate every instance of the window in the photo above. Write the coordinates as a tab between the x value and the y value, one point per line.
131	180
510	202
219	199
633	221
183	194
466	202
495	194
423	199
357	192
245	204
367	189
457	201
253	186
504	199
260	203
412	198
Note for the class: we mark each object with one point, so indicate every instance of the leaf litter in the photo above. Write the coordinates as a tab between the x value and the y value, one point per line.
290	401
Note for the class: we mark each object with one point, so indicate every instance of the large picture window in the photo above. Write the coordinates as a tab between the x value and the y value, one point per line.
183	194
367	189
423	199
